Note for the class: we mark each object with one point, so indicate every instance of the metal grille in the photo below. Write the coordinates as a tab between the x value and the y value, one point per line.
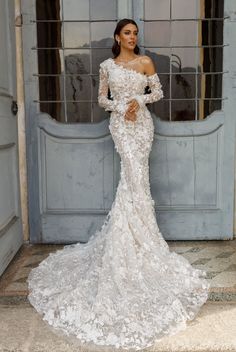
183	37
71	42
188	52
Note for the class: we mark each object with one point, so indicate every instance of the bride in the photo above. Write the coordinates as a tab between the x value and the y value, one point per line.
124	288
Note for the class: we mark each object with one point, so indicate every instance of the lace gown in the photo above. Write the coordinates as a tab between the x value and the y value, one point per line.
124	288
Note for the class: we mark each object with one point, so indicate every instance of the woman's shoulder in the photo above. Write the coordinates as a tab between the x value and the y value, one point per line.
145	59
106	62
148	65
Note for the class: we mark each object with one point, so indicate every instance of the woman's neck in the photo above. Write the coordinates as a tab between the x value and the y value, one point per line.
126	55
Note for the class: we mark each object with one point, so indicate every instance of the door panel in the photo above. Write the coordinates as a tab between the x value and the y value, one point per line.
186	178
186	158
77	182
10	215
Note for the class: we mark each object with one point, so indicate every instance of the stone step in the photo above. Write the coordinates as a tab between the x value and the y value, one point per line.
23	330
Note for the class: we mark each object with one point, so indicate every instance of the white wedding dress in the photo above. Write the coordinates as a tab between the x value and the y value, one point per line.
124	288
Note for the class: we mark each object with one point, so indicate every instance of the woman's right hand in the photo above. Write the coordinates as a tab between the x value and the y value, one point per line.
133	107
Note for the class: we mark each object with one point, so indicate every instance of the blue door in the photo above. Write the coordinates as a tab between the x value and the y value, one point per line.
72	162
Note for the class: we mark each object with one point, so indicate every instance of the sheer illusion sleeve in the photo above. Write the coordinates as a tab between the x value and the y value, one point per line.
156	94
109	105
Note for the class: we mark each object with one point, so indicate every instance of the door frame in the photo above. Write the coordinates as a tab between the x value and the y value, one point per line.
11	231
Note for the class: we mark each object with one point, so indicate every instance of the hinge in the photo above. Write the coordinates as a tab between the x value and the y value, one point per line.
14	107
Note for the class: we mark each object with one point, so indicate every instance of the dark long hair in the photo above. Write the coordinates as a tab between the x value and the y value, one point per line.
116	48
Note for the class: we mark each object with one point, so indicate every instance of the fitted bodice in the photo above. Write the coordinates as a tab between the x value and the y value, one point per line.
122	79
125	84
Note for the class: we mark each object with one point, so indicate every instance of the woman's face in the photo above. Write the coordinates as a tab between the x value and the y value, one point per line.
128	36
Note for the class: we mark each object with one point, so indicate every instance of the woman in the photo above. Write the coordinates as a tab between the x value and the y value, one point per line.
123	288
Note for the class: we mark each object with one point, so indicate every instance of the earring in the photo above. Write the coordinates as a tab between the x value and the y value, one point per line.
118	42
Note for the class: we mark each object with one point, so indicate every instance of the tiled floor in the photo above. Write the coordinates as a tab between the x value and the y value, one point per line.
217	258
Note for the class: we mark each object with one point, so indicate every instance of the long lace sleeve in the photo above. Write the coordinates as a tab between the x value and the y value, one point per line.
103	101
156	94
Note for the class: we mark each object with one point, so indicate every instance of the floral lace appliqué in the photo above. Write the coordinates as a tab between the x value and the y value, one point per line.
124	288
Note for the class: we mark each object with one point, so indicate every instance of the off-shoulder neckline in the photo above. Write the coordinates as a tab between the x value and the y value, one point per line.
131	69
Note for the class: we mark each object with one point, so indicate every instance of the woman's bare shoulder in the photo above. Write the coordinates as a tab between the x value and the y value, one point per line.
148	64
145	59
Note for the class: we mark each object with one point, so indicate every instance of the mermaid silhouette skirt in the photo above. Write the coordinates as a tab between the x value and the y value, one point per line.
124	288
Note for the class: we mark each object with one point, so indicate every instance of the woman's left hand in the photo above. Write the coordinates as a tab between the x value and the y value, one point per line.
133	106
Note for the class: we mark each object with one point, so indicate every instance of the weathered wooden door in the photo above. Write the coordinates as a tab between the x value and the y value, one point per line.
73	165
10	214
193	156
